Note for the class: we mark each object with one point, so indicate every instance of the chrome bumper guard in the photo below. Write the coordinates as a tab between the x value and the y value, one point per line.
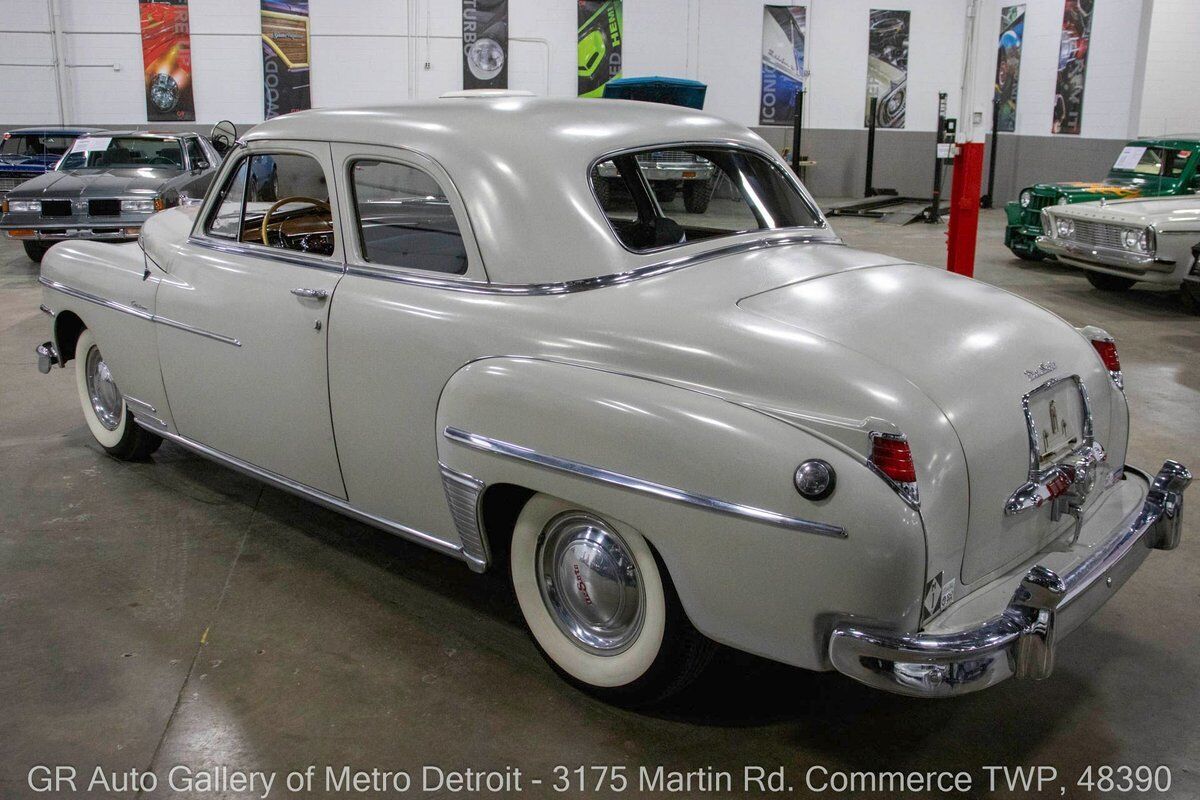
47	357
1045	608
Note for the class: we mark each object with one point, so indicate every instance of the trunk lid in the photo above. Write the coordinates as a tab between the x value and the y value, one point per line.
975	351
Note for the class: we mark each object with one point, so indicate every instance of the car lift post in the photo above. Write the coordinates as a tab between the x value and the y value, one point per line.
869	191
968	162
796	121
933	213
986	200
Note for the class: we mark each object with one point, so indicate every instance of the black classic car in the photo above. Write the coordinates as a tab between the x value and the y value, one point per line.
106	186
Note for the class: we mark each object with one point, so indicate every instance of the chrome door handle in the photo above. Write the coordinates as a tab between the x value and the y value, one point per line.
317	294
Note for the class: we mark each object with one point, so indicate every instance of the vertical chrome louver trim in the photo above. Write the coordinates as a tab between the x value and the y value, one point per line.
462	496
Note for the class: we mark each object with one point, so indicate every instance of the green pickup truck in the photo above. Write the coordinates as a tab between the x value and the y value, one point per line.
1145	168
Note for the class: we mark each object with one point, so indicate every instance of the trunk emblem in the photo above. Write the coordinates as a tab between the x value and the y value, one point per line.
1044	368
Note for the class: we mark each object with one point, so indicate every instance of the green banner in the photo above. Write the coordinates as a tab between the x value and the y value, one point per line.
600	34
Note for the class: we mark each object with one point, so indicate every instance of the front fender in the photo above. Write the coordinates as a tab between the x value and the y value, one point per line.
754	582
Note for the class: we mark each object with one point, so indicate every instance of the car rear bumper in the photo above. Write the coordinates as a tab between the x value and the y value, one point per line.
1021	641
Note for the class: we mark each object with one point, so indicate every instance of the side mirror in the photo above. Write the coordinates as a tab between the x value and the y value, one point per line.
202	164
187	201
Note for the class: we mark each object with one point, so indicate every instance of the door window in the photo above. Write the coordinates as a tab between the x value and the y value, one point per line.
226	219
405	219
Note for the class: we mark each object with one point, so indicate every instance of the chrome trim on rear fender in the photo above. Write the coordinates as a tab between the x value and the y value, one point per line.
1021	641
509	450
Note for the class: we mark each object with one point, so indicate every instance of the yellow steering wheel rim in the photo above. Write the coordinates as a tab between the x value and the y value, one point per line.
299	198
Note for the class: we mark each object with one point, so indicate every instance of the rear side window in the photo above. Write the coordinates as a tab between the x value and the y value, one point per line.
659	198
404	218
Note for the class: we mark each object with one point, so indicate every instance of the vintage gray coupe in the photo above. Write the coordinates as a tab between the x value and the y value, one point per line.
670	430
1124	242
106	186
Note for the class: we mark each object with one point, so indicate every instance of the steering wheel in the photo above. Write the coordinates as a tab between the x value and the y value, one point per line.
284	201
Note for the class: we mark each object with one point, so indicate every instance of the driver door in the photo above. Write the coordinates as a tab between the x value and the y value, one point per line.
244	322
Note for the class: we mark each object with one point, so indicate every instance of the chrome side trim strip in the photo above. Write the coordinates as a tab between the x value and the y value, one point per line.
136	312
92	298
509	450
142	418
462	495
308	493
142	403
585	284
170	323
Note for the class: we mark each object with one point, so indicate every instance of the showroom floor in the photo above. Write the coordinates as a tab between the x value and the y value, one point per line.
176	612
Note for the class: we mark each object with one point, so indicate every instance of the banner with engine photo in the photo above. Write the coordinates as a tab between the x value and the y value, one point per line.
167	58
783	71
1072	66
285	50
1008	66
887	68
600	29
485	44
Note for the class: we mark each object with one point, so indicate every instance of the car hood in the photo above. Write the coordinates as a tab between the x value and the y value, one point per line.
1169	212
971	349
1110	188
97	183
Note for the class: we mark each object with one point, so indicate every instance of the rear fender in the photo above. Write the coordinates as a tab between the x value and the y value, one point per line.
749	581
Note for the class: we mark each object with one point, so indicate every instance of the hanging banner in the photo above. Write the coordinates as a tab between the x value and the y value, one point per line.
286	86
783	71
1008	66
485	44
887	68
167	58
600	28
1072	66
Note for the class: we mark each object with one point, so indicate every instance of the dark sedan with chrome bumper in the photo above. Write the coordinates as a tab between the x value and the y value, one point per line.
106	186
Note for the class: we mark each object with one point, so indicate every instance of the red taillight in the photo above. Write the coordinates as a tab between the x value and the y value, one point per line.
891	455
1107	349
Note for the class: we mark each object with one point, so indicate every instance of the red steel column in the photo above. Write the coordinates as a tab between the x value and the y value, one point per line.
964	209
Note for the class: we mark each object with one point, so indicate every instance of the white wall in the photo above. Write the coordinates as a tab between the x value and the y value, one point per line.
1170	101
376	51
1112	87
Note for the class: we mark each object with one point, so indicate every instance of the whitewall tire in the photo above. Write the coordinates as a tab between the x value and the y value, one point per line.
599	605
108	419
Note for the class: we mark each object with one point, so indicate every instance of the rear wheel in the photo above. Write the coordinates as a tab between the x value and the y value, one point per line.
35	250
600	605
110	422
1109	283
665	192
1191	295
696	195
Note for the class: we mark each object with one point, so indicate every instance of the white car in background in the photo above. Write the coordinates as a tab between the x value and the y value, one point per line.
727	427
1122	242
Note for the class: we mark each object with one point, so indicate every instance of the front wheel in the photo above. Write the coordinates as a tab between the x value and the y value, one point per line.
696	195
110	422
1191	295
1109	283
35	250
600	605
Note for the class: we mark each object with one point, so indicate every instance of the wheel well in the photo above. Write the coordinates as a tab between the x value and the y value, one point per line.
499	508
67	327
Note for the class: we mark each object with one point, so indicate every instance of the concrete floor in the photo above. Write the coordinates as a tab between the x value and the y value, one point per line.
175	612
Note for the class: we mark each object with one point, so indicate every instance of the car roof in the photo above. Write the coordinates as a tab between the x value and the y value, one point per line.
147	134
521	166
51	130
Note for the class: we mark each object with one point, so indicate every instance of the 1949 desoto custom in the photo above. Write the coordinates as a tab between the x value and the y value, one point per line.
671	429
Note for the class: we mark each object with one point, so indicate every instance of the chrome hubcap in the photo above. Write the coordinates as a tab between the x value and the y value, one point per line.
590	583
103	392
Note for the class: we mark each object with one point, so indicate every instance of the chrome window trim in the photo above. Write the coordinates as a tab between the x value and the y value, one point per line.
268	253
713	144
308	493
509	450
139	313
586	284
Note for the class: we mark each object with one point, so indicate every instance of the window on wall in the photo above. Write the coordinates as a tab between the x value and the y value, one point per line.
404	218
659	198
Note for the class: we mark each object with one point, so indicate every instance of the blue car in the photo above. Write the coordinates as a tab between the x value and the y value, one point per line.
26	153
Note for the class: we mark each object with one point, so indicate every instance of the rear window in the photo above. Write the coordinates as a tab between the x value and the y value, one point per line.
661	198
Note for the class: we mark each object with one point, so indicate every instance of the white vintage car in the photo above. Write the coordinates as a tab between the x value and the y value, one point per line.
671	429
1125	241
